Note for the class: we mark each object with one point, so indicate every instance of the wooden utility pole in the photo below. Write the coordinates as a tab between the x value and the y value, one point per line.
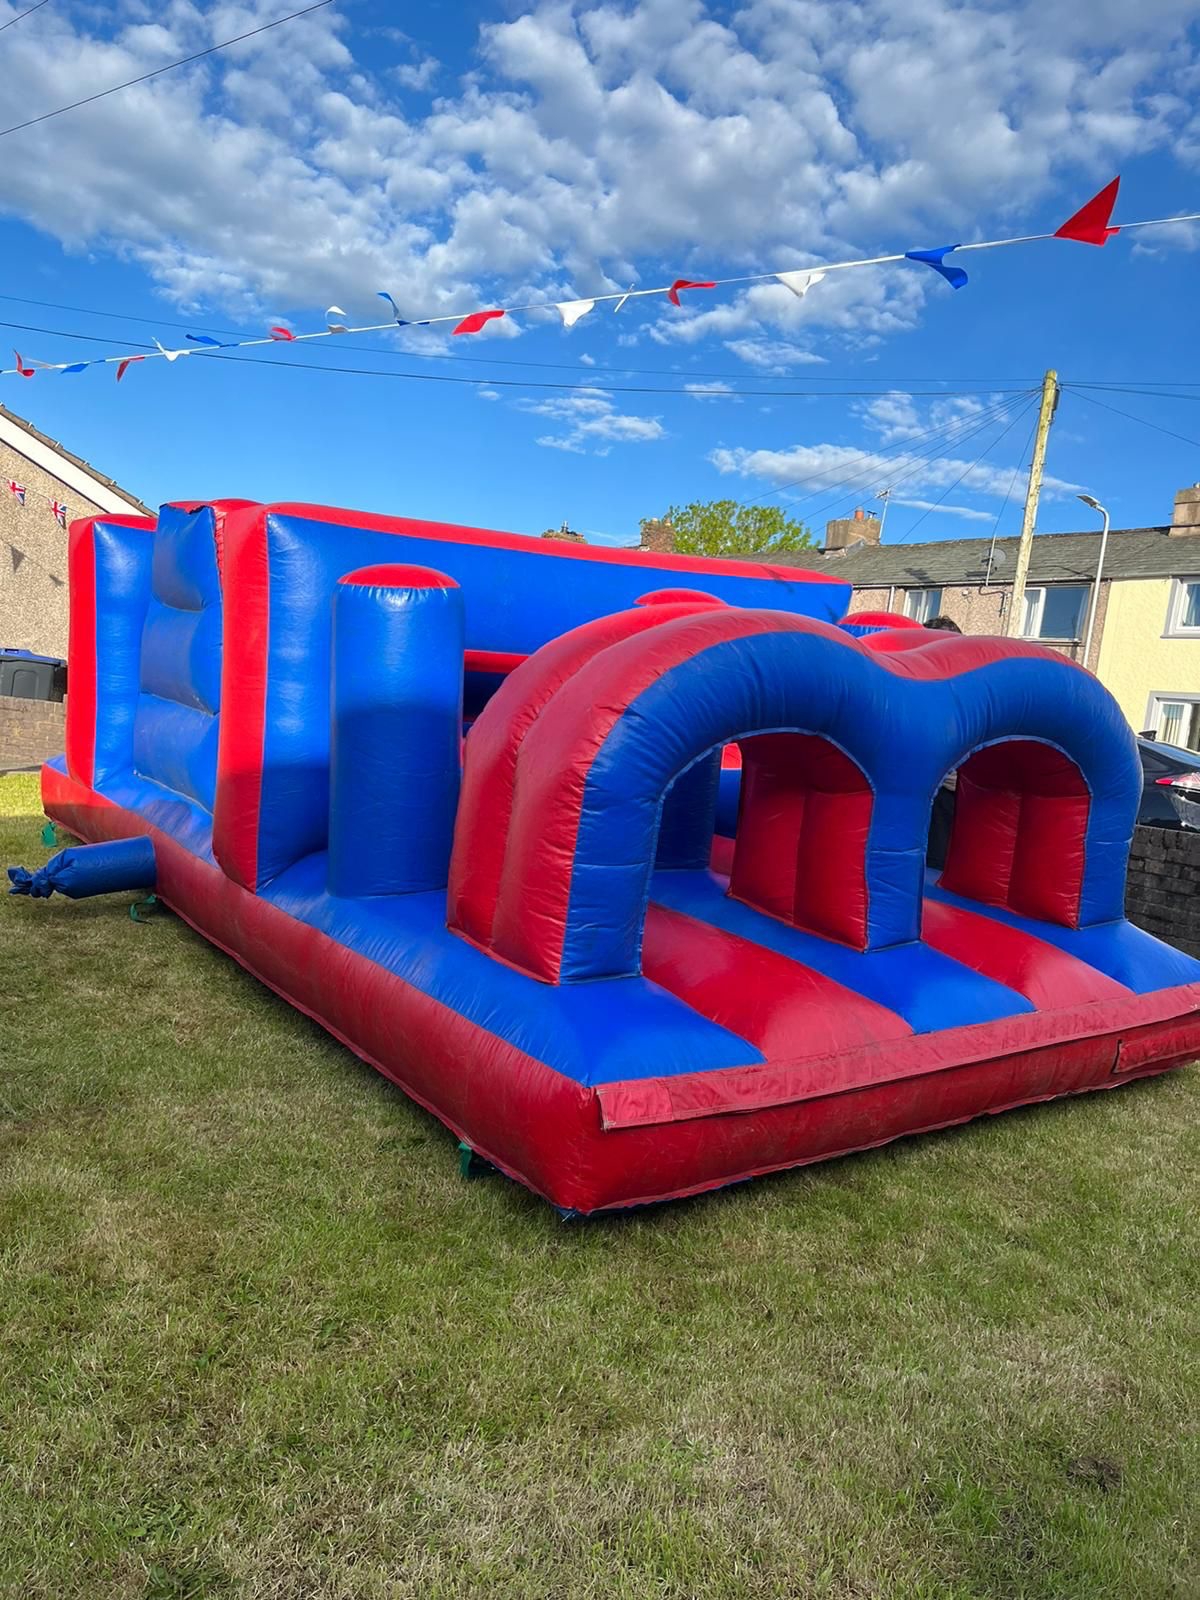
886	496
1016	613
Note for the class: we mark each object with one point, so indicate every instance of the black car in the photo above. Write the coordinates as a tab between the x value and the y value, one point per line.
1161	765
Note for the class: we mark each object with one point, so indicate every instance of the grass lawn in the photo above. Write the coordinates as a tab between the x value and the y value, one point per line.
258	1338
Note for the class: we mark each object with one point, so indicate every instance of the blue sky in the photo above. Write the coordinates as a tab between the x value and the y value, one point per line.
461	155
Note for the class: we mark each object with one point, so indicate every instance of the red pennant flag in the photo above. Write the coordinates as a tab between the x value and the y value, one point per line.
281	333
685	283
124	366
26	372
1090	224
477	320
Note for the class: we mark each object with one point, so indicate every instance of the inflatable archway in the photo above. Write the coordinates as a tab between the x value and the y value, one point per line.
591	770
458	795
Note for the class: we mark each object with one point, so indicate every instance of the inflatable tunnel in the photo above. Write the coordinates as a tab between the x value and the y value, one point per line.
616	862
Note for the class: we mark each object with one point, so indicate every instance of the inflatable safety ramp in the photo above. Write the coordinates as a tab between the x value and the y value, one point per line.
539	933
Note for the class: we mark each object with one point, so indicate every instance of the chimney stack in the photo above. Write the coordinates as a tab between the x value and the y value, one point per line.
846	531
658	535
1186	517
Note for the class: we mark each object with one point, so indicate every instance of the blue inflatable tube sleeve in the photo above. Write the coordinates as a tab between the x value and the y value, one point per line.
82	870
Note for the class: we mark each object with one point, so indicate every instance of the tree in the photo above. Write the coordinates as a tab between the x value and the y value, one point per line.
724	528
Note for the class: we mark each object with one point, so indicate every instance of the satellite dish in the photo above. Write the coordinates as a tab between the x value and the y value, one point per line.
999	558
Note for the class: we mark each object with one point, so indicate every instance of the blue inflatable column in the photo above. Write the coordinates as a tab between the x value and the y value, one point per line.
396	743
689	816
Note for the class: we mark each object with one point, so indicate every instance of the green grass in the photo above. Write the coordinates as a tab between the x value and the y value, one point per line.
258	1338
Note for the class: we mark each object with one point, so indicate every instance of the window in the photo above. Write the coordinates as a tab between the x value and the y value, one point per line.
1183	614
1055	612
1175	719
922	604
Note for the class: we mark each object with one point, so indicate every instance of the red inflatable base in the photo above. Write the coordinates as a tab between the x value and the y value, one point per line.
589	1149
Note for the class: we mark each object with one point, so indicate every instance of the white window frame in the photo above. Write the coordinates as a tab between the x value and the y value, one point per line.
1175	628
1041	589
934	611
1163	697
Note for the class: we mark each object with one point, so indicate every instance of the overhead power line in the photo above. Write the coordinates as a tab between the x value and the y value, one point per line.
1130	416
941	434
158	71
12	21
918	461
483	378
917	450
1012	483
1148	394
490	360
987	449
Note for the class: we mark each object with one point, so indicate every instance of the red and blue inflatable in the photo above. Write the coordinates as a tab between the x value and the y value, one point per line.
619	964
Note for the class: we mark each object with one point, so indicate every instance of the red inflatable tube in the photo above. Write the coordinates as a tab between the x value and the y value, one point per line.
619	1144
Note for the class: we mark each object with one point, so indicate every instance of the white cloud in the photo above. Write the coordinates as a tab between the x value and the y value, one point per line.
590	144
828	467
592	422
587	360
945	510
895	415
862	306
1184	236
417	75
487	394
707	391
561	442
772	355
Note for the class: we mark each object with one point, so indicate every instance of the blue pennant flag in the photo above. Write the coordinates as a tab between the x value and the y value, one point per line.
76	366
202	338
954	276
384	295
401	322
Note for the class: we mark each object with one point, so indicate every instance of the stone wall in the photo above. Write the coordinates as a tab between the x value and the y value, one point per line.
1162	893
30	731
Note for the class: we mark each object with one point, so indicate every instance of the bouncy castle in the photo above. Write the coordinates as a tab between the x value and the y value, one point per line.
615	862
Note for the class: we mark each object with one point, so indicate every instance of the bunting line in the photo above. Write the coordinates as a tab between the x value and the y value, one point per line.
20	494
954	276
1092	224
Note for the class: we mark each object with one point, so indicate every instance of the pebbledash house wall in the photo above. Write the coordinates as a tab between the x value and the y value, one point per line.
33	557
33	548
985	611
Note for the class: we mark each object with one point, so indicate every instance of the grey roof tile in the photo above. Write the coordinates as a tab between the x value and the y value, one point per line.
1056	558
76	461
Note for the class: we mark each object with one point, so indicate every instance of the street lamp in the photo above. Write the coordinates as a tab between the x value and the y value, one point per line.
1090	500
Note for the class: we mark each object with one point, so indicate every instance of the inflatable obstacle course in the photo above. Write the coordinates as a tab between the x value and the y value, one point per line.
661	919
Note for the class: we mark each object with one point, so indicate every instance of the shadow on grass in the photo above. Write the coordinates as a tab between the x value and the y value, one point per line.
848	1171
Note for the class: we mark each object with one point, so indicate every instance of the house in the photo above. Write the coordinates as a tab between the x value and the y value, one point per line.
43	488
1145	645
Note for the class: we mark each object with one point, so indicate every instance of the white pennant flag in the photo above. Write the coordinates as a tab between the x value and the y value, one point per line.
336	327
571	311
171	355
799	282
